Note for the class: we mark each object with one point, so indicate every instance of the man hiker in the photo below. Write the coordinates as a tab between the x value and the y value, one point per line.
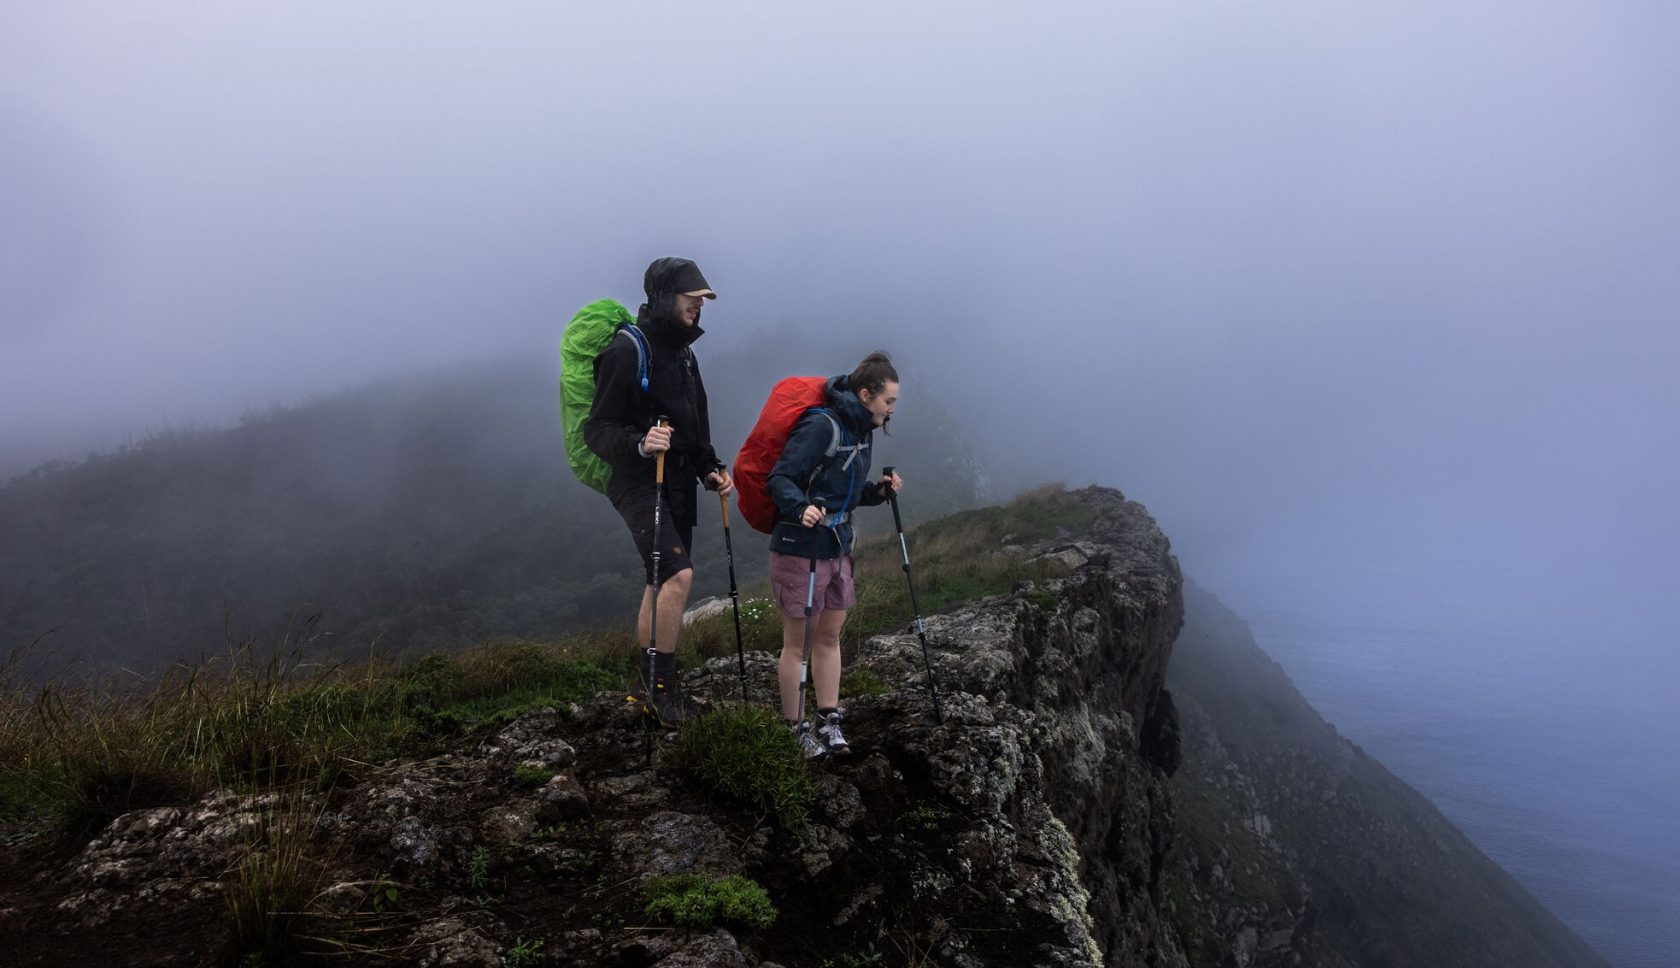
622	429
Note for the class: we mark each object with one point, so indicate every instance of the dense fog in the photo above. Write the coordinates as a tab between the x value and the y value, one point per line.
1367	305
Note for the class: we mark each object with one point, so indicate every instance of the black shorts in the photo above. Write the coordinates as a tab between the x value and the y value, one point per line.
635	505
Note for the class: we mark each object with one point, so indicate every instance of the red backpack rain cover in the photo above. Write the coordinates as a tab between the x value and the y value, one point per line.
789	399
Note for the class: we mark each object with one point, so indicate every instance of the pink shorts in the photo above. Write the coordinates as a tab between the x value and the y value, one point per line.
790	576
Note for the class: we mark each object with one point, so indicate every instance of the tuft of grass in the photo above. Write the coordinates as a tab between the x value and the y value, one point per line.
277	882
698	901
383	894
570	671
531	777
746	755
498	682
87	750
21	799
927	817
478	869
857	959
23	792
431	681
860	682
102	755
1043	600
523	954
576	681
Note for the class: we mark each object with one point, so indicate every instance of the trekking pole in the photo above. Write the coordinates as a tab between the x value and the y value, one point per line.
653	616
810	601
898	522
734	594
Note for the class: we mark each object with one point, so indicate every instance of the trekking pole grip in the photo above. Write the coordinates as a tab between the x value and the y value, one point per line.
892	498
659	458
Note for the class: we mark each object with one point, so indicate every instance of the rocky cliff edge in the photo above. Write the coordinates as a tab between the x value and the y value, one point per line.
1030	828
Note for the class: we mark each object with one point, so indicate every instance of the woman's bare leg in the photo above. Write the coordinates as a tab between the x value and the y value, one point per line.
787	668
825	656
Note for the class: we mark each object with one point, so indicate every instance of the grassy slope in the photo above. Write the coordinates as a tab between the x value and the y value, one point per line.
88	750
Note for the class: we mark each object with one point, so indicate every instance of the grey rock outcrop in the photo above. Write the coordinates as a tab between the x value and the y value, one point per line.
1066	809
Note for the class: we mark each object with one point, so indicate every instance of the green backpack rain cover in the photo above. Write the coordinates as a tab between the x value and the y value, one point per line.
585	337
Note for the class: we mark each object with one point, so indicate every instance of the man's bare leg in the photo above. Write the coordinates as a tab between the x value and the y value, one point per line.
673	598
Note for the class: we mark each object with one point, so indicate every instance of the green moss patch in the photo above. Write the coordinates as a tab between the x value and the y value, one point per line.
697	901
746	755
860	682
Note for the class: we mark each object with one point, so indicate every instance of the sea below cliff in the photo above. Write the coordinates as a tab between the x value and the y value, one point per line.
1553	742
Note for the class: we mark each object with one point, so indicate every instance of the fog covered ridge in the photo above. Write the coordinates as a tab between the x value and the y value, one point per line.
432	510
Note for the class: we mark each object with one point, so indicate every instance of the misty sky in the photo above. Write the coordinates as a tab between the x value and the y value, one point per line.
1372	304
1313	280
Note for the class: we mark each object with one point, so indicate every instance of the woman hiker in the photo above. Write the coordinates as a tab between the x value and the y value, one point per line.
821	477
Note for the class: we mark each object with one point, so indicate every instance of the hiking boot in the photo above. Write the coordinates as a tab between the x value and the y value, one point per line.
828	731
665	700
808	741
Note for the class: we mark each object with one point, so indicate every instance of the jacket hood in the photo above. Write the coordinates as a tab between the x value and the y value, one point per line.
664	276
660	326
844	402
656	315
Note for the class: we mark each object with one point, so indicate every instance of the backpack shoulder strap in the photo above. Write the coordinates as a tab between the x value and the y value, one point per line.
834	440
639	340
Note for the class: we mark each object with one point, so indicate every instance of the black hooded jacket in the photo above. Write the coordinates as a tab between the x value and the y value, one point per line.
622	412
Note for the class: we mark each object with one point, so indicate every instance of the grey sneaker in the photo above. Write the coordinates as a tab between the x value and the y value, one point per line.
808	741
830	735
